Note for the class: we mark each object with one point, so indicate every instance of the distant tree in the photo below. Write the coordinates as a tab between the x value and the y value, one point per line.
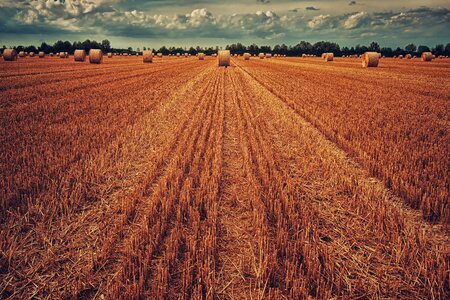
388	52
438	49
374	47
164	50
360	49
144	48
31	49
345	51
106	46
19	48
192	51
284	49
399	51
266	49
253	49
86	45
301	48
410	48
237	48
209	51
422	49
67	46
447	49
138	49
45	47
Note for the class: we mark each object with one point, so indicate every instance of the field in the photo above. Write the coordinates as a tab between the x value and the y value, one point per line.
282	178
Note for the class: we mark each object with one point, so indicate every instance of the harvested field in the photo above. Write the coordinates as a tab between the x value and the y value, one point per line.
287	178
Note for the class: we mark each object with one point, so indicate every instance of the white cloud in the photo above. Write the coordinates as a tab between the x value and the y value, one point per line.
355	20
318	21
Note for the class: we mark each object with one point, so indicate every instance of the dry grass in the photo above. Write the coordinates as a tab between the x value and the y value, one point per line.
243	182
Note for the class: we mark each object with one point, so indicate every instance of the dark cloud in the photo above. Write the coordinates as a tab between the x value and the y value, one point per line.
352	3
311	8
263	1
104	17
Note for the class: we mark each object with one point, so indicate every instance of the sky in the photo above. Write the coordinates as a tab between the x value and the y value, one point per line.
154	23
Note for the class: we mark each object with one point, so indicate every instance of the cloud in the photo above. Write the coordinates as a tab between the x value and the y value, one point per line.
87	18
318	21
311	8
353	2
263	1
355	20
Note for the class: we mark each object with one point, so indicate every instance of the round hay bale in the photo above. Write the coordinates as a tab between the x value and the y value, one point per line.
95	56
110	55
66	54
201	56
329	57
159	54
178	54
62	55
268	55
224	58
304	55
427	56
324	55
370	60
79	55
51	54
261	55
214	55
147	56
41	54
434	56
408	56
400	56
31	54
247	56
26	53
9	55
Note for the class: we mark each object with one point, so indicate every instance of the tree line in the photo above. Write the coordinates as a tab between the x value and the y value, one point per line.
294	50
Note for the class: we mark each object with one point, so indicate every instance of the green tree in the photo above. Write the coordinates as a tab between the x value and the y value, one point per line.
438	49
374	47
447	49
106	46
422	49
410	48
